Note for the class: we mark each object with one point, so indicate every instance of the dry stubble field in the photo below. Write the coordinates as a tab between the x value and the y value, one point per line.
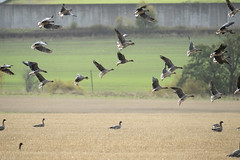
77	128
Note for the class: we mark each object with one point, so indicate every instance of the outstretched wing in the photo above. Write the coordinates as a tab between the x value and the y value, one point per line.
155	82
52	26
226	25
178	91
147	17
44	49
221	48
141	8
40	77
230	6
121	57
167	61
8	71
212	88
63	8
99	66
120	36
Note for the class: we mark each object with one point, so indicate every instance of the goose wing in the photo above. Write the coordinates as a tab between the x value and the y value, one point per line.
167	61
238	82
121	57
63	8
120	36
212	88
221	48
230	6
47	19
32	65
178	91
155	82
191	46
43	49
226	25
52	26
147	17
40	77
99	66
6	70
141	8
164	69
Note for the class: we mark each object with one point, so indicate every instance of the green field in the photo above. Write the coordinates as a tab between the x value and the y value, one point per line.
112	1
75	55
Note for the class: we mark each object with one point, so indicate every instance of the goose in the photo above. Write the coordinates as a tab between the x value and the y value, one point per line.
214	92
103	70
232	8
235	153
39	45
156	86
34	67
192	48
3	125
122	42
171	66
5	68
166	73
224	29
20	146
181	95
40	125
42	80
79	78
141	11
117	126
220	51
217	127
122	59
45	21
238	86
64	12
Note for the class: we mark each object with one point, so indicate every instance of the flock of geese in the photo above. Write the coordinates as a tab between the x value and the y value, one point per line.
168	70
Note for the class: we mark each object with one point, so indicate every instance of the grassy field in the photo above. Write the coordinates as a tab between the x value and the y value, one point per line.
72	56
112	1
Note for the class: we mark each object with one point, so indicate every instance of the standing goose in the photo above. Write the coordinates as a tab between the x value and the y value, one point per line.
220	51
214	92
103	70
122	59
42	80
5	68
34	67
156	86
192	48
217	127
238	86
141	11
122	42
3	125
232	8
224	29
39	45
117	126
20	146
235	153
168	62
64	12
79	78
166	73
40	125
180	94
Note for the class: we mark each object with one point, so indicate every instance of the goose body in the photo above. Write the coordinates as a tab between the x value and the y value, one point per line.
141	11
40	125
122	59
234	11
65	12
39	45
5	68
219	52
42	80
214	92
168	62
166	73
117	126
238	86
192	48
122	42
221	59
3	125
217	127
102	70
182	96
34	67
79	78
156	86
224	29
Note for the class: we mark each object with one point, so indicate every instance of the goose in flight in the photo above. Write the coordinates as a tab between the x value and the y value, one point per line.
232	8
3	125
42	80
34	67
40	125
122	59
20	146
103	70
192	48
235	153
122	42
79	78
238	86
214	92
224	29
64	12
141	11
166	73
48	24
39	45
168	62
5	68
156	86
117	126
181	95
217	127
219	52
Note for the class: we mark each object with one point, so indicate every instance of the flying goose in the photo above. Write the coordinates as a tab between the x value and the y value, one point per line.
232	8
39	45
192	48
238	86
214	92
5	68
122	42
40	125
64	12
34	67
166	73
103	70
156	86
219	52
20	146
79	78
3	125
45	21
141	11
217	127
224	29
180	94
235	153
122	59
168	62
42	80
117	126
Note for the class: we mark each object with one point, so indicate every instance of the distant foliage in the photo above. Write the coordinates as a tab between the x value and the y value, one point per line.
73	25
31	82
119	22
